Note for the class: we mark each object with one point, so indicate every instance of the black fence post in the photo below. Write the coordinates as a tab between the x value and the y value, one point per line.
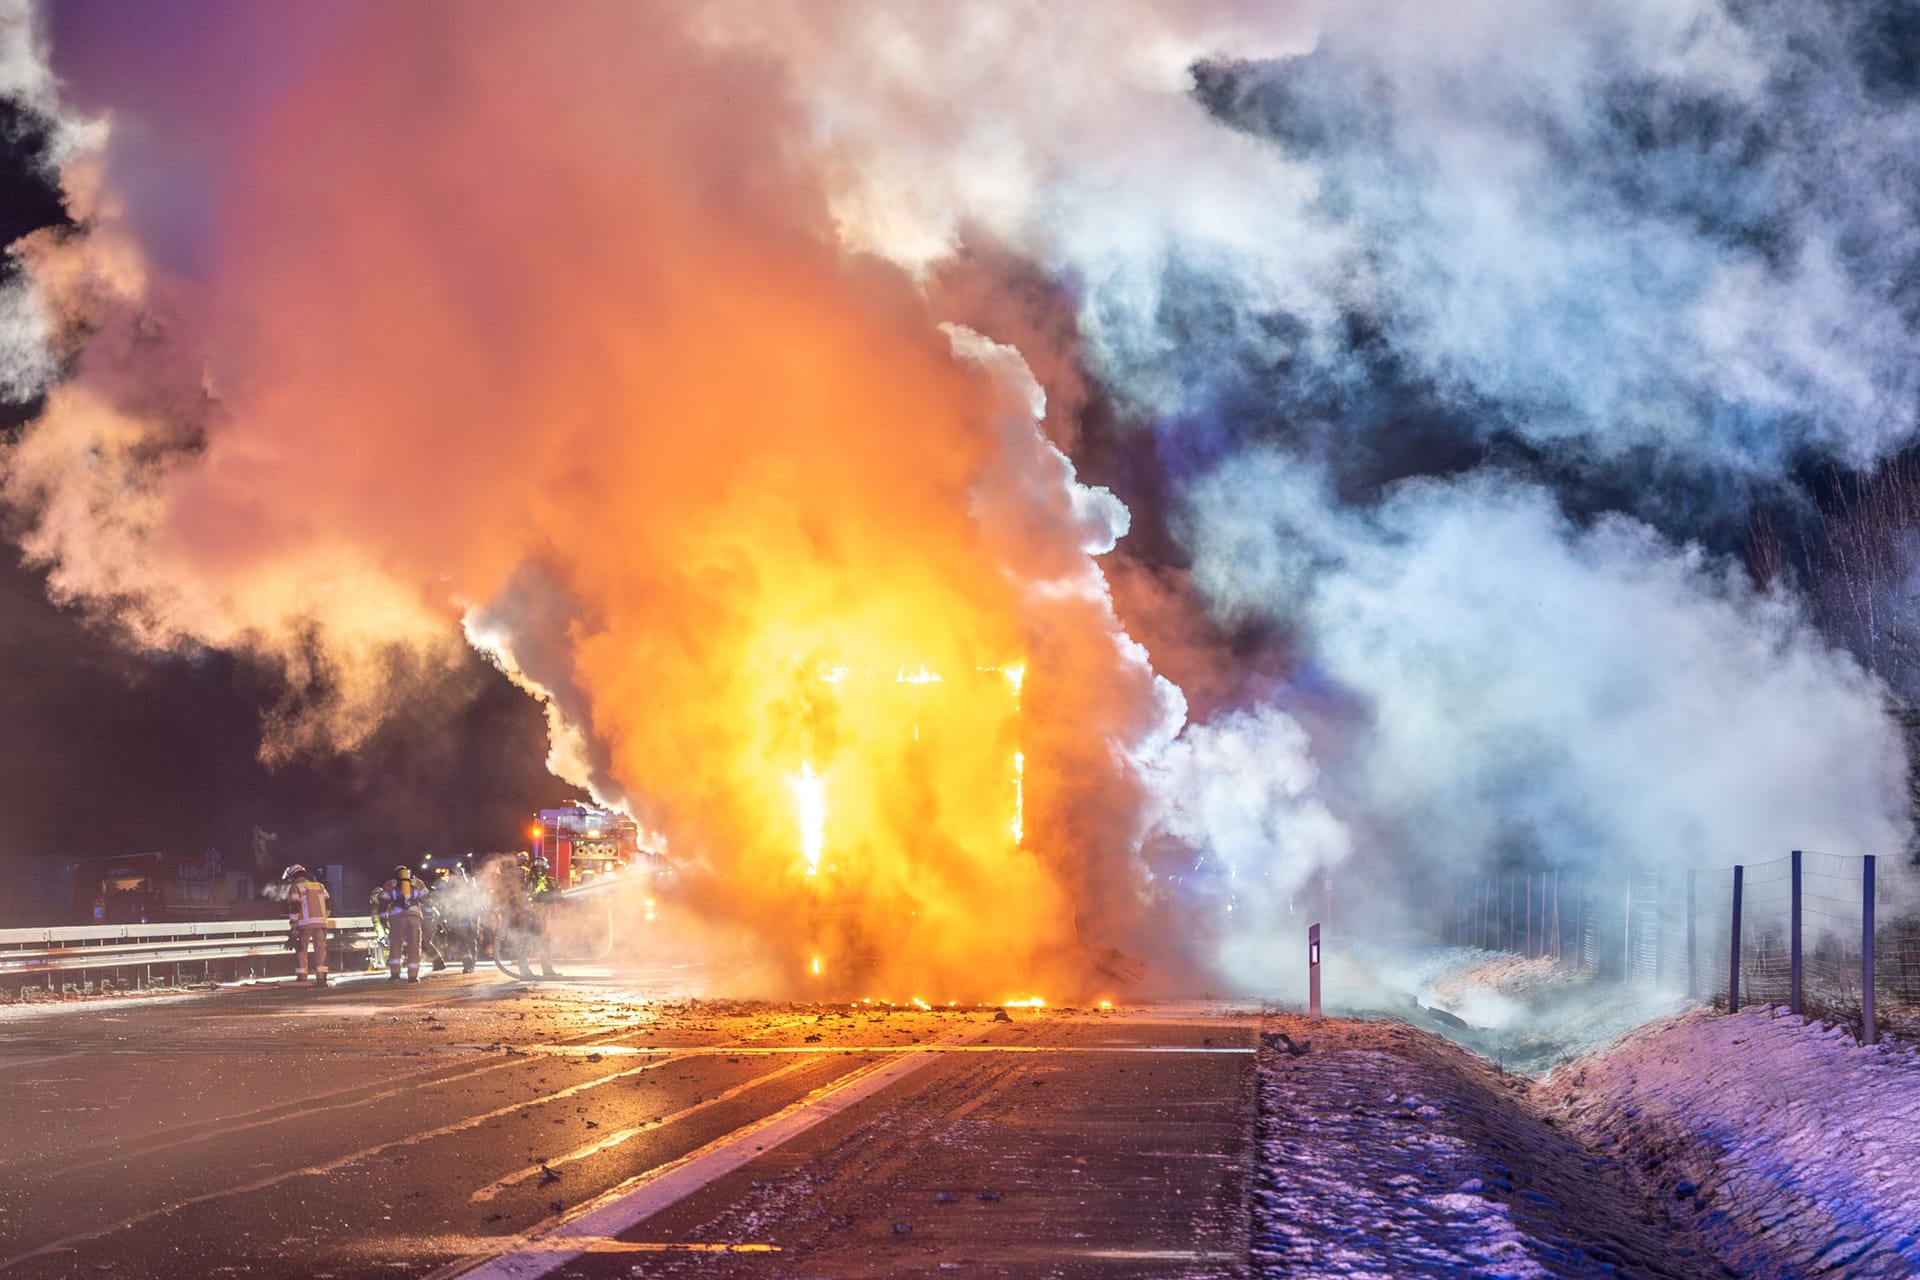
1793	934
1733	948
1868	1033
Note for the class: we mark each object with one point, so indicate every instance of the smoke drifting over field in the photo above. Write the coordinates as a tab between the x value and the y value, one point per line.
701	362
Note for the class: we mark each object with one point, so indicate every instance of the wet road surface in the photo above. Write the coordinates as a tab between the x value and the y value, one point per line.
600	1127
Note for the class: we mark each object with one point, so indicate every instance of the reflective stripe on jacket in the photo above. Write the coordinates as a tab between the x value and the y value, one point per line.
309	903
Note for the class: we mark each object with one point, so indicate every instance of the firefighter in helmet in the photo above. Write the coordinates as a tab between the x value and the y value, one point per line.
537	892
377	908
307	909
404	904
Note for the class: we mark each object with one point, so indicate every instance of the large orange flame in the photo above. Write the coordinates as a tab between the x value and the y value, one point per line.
531	319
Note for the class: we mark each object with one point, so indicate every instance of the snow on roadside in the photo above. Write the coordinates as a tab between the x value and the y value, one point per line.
1797	1149
1389	1152
1526	1014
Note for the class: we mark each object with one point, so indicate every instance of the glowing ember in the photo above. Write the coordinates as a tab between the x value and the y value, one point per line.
816	966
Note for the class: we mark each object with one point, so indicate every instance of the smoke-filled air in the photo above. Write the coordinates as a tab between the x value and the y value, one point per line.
1014	496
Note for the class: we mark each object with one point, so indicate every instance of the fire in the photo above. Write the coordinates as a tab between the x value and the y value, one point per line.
1019	825
1030	1002
810	794
731	502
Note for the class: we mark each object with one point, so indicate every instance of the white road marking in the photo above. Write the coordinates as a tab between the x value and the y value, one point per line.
35	1062
329	1166
634	1201
415	1246
1161	1255
619	1136
734	1051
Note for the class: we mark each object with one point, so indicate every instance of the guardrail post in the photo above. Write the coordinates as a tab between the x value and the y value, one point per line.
1733	949
1793	933
1868	1033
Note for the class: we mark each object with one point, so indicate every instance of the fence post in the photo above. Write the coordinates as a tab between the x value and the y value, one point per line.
1559	942
1733	949
1580	924
1868	1033
1793	933
1626	933
1693	985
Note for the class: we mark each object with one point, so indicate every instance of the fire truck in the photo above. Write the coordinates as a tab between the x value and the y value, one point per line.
582	843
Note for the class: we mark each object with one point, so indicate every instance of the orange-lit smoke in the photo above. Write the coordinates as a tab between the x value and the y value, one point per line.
531	322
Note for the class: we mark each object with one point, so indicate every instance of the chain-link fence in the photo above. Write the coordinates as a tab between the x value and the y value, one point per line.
1804	922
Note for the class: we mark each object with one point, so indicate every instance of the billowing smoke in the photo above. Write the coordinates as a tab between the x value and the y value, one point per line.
730	371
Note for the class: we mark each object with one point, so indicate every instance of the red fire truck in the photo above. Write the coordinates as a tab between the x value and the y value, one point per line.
582	843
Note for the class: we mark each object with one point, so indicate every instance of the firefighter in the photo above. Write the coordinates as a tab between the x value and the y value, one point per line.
307	910
405	906
541	890
377	908
540	883
451	932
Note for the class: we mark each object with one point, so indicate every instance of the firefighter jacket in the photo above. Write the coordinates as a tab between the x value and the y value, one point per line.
404	897
308	905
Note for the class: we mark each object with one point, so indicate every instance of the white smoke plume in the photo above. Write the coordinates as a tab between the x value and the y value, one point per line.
1458	338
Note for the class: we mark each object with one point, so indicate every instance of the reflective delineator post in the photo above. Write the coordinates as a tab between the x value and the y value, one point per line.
1313	972
1793	933
1868	1034
1733	948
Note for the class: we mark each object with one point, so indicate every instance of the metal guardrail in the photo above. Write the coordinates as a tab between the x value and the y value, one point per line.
77	948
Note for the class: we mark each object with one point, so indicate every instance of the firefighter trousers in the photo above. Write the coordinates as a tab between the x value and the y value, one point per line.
403	944
310	937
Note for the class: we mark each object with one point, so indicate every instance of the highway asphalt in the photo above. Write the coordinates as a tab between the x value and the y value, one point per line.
610	1126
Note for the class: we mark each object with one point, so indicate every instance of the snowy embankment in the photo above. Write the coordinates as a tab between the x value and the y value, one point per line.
1798	1149
1389	1152
1759	1145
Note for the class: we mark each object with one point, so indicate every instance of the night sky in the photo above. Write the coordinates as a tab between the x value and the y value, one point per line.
108	750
